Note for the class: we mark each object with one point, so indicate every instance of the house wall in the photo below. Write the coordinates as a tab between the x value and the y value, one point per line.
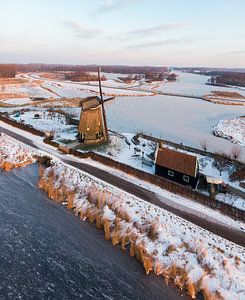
178	177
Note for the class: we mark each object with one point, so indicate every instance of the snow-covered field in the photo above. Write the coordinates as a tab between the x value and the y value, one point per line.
177	119
167	245
232	129
17	101
14	154
194	84
68	89
121	148
48	121
29	89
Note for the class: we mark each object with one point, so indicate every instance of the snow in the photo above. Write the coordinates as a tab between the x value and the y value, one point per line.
194	84
232	129
14	154
92	88
111	87
171	246
161	116
173	200
29	89
68	90
48	121
17	101
207	167
172	118
120	150
225	100
232	200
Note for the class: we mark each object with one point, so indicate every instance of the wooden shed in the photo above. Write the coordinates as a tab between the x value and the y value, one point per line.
177	166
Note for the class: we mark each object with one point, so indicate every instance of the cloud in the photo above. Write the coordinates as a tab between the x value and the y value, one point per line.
110	5
149	31
239	52
167	42
80	31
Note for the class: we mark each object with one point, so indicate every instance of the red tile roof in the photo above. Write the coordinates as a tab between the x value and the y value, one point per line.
177	161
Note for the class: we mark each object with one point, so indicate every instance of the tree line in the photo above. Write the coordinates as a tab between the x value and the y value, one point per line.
7	70
89	68
150	76
82	76
237	79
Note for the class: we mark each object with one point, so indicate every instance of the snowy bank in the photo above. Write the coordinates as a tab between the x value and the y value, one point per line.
165	244
231	129
14	154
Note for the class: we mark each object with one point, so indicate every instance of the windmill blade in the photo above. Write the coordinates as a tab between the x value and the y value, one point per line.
103	108
101	94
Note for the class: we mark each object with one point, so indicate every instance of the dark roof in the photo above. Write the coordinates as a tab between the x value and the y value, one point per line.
177	161
89	102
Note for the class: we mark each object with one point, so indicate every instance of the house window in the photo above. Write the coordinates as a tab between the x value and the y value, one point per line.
186	178
170	173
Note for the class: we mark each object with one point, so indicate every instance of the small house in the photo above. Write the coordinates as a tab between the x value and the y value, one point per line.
177	166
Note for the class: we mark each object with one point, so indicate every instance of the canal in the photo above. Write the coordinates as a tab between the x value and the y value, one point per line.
46	252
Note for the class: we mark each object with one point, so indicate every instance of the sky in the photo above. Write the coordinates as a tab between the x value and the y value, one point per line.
207	33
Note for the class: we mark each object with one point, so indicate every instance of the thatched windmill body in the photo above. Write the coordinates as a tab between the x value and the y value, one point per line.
92	127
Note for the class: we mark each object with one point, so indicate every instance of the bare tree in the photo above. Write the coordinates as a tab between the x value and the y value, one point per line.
204	144
153	146
236	152
220	165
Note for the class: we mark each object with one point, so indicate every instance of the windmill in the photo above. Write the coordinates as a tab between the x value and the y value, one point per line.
92	127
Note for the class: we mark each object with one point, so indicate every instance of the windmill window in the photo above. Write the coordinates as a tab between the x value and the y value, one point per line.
186	178
170	173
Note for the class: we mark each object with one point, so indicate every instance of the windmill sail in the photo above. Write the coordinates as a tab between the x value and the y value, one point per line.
103	108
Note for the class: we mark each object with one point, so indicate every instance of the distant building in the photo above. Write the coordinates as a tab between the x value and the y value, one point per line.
177	166
92	127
